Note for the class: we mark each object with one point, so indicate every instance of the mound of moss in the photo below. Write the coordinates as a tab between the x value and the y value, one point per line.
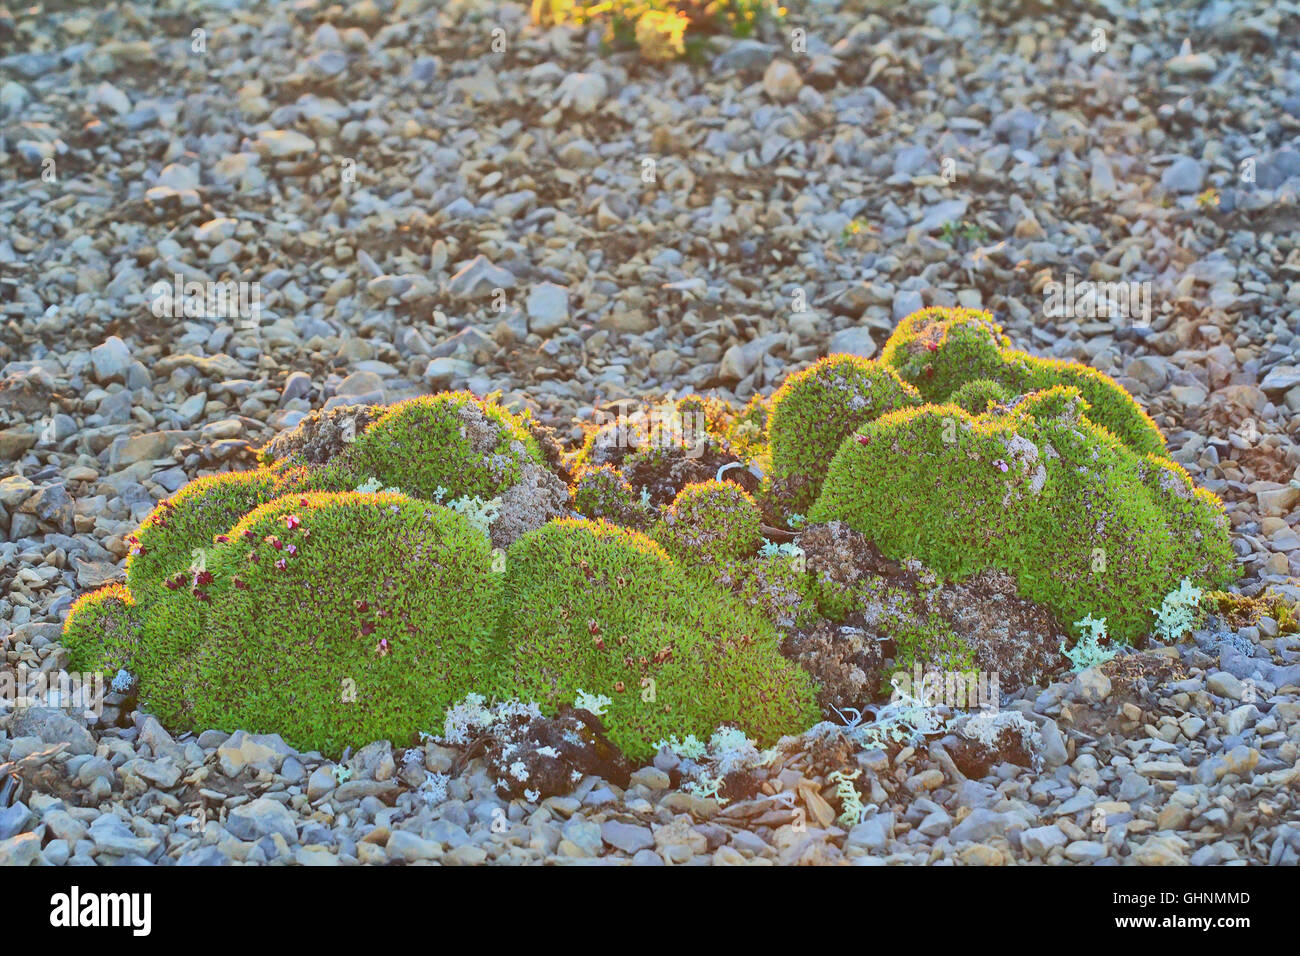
451	441
102	630
180	530
1085	524
468	454
603	611
977	394
255	601
939	350
331	619
601	492
710	522
813	411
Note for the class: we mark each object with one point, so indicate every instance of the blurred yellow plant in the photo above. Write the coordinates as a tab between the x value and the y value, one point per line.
661	35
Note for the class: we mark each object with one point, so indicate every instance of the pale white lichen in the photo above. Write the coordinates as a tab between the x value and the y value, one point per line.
706	787
787	549
986	727
466	718
592	703
373	486
690	748
1087	651
472	716
730	750
1177	612
434	788
851	808
905	719
479	513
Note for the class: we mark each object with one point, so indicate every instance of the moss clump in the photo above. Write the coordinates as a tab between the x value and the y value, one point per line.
1083	523
102	630
453	441
179	532
710	522
596	608
813	411
331	619
941	349
977	394
601	492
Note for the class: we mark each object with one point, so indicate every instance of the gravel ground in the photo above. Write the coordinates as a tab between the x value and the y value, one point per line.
652	231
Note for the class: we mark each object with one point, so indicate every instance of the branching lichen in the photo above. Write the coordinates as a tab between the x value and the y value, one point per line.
1087	651
851	806
1177	612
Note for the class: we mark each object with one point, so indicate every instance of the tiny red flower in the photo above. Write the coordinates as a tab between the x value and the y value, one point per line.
222	538
291	521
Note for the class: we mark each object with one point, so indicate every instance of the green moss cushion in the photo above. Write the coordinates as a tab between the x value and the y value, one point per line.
941	349
710	522
180	530
976	395
598	609
102	630
451	441
331	619
813	411
1084	523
